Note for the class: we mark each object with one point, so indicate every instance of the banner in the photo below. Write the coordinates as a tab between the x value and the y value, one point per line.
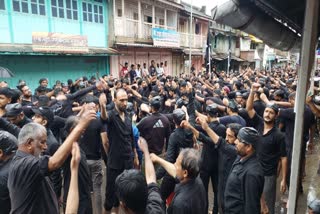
165	38
59	42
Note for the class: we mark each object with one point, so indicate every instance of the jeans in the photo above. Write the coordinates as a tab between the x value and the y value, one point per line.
269	191
96	173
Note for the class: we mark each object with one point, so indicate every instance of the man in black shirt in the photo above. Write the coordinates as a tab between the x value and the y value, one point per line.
190	195
139	194
209	162
155	128
121	144
29	187
270	151
226	151
245	182
14	114
8	147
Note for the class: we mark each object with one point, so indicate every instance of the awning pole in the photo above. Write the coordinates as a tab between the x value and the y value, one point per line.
309	39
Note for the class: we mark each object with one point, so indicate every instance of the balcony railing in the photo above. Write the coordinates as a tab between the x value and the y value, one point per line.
131	30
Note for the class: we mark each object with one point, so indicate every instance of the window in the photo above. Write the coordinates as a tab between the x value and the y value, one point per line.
57	8
92	12
38	7
198	29
72	9
2	6
135	16
253	45
119	12
161	21
20	6
148	19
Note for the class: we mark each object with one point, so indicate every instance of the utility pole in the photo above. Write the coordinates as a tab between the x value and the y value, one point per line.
190	37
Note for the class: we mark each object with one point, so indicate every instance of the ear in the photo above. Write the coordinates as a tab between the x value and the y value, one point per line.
124	207
185	173
29	143
44	122
1	154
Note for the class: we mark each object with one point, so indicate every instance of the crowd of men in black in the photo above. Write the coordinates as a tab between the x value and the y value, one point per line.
235	130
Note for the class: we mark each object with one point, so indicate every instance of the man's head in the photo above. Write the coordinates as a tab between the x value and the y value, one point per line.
5	96
270	113
132	191
247	140
26	92
232	107
292	97
43	82
187	164
232	132
14	113
178	116
43	116
155	104
121	100
8	145
212	110
33	139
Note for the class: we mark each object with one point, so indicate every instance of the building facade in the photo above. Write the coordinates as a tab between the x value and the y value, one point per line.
159	30
56	39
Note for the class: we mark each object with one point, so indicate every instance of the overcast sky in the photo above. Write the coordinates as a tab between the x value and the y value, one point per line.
209	3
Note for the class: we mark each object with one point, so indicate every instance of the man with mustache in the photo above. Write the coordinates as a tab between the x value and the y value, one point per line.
271	149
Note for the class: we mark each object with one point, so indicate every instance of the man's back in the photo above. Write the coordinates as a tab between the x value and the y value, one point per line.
190	198
29	186
155	129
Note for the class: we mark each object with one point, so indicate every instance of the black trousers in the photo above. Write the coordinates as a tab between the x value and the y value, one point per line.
205	177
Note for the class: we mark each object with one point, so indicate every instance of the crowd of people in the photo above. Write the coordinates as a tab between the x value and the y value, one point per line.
161	138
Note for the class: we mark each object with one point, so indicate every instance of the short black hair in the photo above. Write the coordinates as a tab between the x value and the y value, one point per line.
132	190
235	128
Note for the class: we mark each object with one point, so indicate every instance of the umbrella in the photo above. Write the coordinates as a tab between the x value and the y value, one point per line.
5	73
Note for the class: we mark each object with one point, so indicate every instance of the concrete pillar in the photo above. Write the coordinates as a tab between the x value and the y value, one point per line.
139	20
165	19
153	17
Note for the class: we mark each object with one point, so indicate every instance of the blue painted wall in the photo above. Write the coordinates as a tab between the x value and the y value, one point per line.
32	68
20	25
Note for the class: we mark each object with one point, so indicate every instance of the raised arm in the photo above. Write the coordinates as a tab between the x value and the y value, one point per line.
249	106
149	168
169	167
73	194
64	150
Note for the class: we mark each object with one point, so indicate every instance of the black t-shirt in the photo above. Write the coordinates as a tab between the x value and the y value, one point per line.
121	141
189	198
156	130
29	186
91	139
4	191
270	148
84	179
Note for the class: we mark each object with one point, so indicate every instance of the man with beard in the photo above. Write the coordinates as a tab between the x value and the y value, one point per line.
271	149
227	152
29	187
245	181
15	115
121	144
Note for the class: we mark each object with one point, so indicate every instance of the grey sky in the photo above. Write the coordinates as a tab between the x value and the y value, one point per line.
209	3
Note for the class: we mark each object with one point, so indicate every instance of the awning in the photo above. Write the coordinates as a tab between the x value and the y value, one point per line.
236	58
26	49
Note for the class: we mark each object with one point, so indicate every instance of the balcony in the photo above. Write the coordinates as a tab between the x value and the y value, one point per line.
127	31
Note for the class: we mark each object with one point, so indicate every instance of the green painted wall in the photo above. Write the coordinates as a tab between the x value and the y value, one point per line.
32	68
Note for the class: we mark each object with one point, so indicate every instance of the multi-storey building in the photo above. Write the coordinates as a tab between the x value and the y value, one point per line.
57	39
145	30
